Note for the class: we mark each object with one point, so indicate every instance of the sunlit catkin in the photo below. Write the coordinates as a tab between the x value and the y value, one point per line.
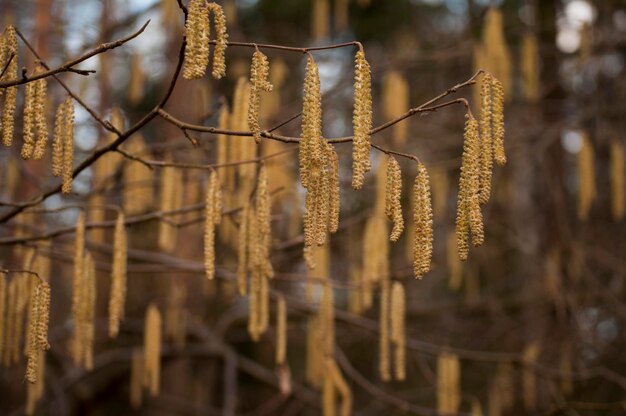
333	185
29	121
448	383
398	331
497	118
496	58
57	140
281	330
259	78
197	31
221	40
68	146
486	137
529	382
117	298
243	247
384	358
586	177
395	103
361	120
311	143
618	175
38	328
8	114
152	349
393	195
213	215
423	223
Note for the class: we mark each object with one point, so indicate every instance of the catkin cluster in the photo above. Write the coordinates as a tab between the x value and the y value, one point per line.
395	103
83	311
493	53
361	120
117	298
63	144
37	328
448	383
15	298
393	196
197	35
423	223
8	51
35	128
320	337
259	78
530	67
152	350
213	216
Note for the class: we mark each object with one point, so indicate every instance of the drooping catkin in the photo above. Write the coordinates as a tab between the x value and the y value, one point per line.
497	58
529	382
259	78
117	298
361	120
213	216
79	257
398	331
311	143
29	121
448	383
57	140
38	328
393	196
243	250
469	215
281	330
152	349
221	40
83	314
384	358
68	146
138	193
334	189
423	223
319	19
35	391
618	179
8	115
486	137
337	383
171	199
497	118
197	32
395	103
530	67
586	177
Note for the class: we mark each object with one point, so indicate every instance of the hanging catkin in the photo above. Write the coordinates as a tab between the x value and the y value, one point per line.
281	330
496	58
486	137
68	145
259	78
384	358
393	196
152	350
335	382
117	298
136	81
497	118
83	314
243	248
35	129
197	32
38	328
213	216
423	223
334	197
398	331
319	16
448	383
170	200
529	382
138	192
361	120
530	67
311	143
29	121
35	391
79	257
58	140
8	114
395	103
618	175
586	177
221	40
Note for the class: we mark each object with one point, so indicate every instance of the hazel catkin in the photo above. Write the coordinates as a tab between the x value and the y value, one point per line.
393	195
361	120
423	220
259	78
197	32
117	298
8	114
213	215
221	40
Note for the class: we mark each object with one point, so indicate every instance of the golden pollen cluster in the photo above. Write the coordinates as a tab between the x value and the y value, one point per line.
259	78
197	35
393	195
35	129
63	144
213	216
361	120
117	297
9	51
38	328
423	223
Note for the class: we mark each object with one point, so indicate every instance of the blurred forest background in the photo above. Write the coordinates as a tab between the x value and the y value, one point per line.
536	316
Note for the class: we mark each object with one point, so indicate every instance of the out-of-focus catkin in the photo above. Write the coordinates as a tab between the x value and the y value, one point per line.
448	383
423	223
361	120
84	295
117	298
618	175
398	331
171	199
221	40
393	196
138	193
395	103
213	216
68	146
8	112
281	330
586	177
530	67
319	16
259	78
152	350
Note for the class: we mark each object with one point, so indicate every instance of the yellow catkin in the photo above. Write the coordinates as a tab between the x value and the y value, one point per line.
334	189
335	382
586	177
393	196
38	328
486	137
57	140
35	391
529	382
319	19
84	331
361	120
341	14
496	56
136	378
311	143
395	103
263	238
3	303
398	330
281	331
469	216
117	298
136	81
152	349
321	272
213	216
243	251
375	256
29	121
384	359
259	78
138	191
618	185
497	118
221	40
79	256
41	124
68	146
8	114
530	67
170	200
197	32
455	267
329	394
448	383
423	223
